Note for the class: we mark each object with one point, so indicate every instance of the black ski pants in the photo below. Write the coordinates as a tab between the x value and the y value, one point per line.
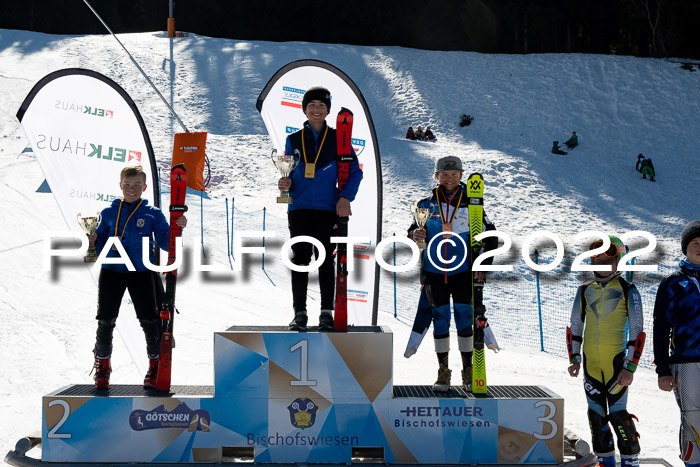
110	292
321	225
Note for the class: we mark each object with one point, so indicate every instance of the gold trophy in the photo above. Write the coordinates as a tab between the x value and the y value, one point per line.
89	225
285	164
421	215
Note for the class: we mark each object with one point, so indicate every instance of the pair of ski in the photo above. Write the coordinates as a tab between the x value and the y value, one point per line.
345	157
421	324
178	190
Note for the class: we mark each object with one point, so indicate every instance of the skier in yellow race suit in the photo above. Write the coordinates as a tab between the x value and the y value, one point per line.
606	304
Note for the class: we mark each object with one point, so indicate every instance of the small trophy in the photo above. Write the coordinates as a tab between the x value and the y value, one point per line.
89	225
285	164
421	215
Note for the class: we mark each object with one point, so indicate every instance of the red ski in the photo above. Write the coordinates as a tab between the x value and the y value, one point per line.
345	156
178	189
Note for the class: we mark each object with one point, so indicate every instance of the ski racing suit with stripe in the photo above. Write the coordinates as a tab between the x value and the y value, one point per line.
606	305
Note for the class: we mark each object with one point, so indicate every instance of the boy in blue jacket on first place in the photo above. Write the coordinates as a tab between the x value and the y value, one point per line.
130	219
316	204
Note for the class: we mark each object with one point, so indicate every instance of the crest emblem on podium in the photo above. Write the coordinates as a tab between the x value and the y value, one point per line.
302	413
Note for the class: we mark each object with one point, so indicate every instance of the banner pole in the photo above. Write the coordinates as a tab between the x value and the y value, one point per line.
172	111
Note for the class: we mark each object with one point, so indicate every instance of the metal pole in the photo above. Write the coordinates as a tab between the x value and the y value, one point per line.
233	211
539	303
228	245
201	218
263	240
395	312
172	112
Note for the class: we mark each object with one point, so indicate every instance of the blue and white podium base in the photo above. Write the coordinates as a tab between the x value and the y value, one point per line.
289	397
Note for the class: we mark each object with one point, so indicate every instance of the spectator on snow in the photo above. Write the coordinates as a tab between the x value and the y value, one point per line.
410	134
646	167
556	148
677	322
420	136
572	142
316	203
429	136
606	335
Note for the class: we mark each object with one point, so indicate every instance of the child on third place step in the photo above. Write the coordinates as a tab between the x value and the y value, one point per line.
441	281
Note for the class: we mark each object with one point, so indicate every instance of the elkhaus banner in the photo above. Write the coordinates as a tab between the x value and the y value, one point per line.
279	105
84	128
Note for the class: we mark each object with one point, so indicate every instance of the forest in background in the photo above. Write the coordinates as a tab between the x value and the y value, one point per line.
644	28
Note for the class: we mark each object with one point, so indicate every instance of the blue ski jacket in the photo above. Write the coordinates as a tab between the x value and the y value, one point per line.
135	222
677	316
455	209
321	191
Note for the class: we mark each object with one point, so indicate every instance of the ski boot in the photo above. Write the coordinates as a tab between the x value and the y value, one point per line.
443	380
325	322
102	370
149	382
299	322
607	459
467	378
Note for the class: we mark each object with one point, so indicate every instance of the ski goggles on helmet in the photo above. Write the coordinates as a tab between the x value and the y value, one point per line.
611	252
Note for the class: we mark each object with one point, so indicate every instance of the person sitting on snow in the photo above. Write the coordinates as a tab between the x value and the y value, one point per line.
646	167
429	136
572	142
420	136
410	134
556	148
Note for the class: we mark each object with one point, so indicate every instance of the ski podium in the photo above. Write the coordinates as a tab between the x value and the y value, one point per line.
286	397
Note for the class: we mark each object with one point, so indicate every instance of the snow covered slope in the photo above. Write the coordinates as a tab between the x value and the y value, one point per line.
619	106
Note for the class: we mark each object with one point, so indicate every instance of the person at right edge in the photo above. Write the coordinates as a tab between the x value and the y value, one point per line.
316	203
447	273
677	317
606	304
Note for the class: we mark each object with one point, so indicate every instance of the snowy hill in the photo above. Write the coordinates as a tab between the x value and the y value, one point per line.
619	106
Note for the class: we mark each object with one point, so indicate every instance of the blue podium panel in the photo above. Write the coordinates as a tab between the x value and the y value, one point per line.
304	397
511	424
126	424
273	363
